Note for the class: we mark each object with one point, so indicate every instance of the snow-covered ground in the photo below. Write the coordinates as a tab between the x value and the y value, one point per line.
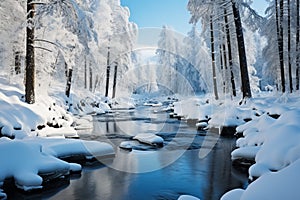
33	137
274	144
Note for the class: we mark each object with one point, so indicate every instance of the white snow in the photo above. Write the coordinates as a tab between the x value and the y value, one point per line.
188	108
123	103
25	160
187	197
201	125
126	145
149	138
39	145
153	104
233	195
247	152
271	186
275	146
67	147
83	122
10	118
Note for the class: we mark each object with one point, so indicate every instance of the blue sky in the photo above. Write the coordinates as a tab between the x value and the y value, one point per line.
156	13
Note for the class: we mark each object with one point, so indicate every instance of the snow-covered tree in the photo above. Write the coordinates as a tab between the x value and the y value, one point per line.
68	35
167	55
213	11
197	54
282	51
12	45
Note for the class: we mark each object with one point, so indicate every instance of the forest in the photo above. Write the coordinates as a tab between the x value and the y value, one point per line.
87	97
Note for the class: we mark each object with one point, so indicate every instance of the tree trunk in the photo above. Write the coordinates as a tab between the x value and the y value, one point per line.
279	18
223	66
229	49
91	79
213	59
85	73
30	64
297	46
69	82
107	72
96	82
242	52
17	62
115	80
289	47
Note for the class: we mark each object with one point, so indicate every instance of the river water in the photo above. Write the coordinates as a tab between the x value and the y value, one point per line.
191	162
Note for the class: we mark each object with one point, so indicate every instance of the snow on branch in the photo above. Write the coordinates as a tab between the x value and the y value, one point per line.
254	19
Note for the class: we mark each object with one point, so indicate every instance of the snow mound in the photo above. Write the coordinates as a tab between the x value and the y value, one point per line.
83	122
149	138
16	115
188	108
126	145
153	104
274	143
122	103
187	197
29	159
26	163
69	147
233	195
270	186
265	133
247	152
19	119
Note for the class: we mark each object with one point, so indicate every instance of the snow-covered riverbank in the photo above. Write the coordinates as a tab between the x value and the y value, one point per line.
270	131
33	140
34	144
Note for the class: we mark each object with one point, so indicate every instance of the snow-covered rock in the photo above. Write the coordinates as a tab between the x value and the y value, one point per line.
29	159
201	125
83	122
126	145
69	147
274	143
246	152
2	195
233	195
26	163
153	104
187	197
149	138
271	186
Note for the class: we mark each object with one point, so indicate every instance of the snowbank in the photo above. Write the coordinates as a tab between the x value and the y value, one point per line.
190	109
16	116
123	103
275	147
26	163
29	159
265	133
37	146
61	148
271	186
19	119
